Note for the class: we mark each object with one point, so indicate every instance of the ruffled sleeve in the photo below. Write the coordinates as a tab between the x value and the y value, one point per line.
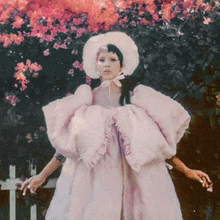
171	118
58	115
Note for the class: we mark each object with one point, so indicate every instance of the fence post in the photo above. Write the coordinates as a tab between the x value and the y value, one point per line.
10	184
33	211
12	174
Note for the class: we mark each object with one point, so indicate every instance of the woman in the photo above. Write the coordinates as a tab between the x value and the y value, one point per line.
114	147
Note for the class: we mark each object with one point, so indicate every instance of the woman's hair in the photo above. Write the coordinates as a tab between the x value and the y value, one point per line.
128	86
111	48
129	83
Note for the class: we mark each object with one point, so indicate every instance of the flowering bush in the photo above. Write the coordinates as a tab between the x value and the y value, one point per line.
48	18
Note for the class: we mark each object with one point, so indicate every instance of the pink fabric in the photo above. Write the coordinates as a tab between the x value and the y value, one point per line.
58	115
115	157
171	117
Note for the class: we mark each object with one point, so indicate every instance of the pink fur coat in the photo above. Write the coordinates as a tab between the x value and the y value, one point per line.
115	156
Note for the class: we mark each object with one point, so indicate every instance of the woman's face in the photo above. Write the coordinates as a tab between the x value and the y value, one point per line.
108	65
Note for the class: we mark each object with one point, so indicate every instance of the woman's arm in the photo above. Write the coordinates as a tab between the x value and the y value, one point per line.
192	174
36	181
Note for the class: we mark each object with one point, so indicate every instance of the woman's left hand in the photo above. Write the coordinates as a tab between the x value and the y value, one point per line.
200	177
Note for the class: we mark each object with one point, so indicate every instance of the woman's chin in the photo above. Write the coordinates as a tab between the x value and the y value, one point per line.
108	76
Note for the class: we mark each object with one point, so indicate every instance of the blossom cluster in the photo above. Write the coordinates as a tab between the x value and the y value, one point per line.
9	39
12	99
47	18
78	65
30	69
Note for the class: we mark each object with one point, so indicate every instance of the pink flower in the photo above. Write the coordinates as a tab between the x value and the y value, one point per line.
46	52
20	66
73	28
76	64
144	21
20	76
36	67
178	9
125	19
206	20
88	80
63	46
63	29
42	128
35	74
77	21
151	8
56	46
80	32
18	22
19	38
49	38
23	86
133	23
156	17
12	98
81	67
71	72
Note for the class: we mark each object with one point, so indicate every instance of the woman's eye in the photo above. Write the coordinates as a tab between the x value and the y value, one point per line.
113	60
101	60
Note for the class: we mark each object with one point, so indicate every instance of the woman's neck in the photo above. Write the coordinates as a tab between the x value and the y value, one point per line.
107	98
112	87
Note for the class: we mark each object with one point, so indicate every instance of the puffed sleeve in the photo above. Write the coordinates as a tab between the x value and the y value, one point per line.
171	118
58	115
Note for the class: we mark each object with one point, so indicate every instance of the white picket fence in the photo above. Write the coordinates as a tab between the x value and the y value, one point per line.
10	184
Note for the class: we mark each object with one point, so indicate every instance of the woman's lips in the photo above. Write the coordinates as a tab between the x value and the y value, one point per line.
107	71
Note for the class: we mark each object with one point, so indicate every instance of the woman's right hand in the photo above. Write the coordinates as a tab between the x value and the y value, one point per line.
32	184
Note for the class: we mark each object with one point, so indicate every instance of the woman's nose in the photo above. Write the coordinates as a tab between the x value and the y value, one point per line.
107	63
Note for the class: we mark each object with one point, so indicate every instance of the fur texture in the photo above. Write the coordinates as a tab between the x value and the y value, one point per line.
115	157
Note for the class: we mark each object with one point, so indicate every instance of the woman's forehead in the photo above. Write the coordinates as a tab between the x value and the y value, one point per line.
103	48
107	54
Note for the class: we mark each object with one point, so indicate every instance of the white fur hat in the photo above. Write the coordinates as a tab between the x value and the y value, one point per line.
121	40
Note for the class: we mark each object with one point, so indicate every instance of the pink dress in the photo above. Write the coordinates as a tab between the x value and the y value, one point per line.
115	167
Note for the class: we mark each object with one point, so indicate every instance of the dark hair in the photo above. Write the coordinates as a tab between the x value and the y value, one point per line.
129	83
111	48
128	86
